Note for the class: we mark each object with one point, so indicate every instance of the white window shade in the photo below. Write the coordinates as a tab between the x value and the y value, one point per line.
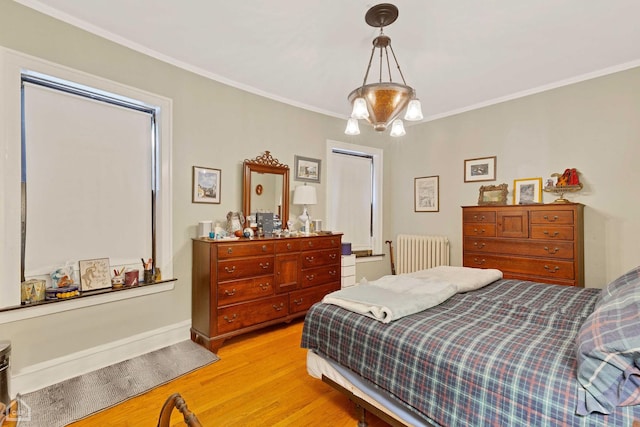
88	174
352	204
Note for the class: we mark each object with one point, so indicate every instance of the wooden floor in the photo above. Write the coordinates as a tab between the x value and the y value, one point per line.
260	380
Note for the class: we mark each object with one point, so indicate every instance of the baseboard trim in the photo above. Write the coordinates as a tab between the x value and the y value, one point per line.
53	371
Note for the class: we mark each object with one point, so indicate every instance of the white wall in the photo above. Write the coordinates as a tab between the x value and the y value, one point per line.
593	126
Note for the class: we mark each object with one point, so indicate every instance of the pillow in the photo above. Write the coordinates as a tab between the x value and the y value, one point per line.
628	279
608	349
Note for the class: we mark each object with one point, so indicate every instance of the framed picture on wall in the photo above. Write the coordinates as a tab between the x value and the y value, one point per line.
527	191
206	185
426	194
481	169
307	169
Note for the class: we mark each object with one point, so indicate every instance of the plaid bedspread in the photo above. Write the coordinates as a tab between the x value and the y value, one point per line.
503	355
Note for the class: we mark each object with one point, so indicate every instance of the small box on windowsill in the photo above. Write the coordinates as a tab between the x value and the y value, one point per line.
346	248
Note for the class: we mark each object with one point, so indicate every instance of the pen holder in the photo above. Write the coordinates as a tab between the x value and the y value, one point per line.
131	278
148	276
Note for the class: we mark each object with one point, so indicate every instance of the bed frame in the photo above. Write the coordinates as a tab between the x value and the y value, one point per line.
362	407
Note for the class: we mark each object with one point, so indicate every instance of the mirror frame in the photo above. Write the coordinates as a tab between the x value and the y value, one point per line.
265	164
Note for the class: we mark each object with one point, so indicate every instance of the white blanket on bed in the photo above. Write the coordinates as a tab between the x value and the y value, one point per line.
393	297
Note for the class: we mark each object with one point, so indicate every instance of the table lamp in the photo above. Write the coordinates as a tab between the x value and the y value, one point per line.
305	195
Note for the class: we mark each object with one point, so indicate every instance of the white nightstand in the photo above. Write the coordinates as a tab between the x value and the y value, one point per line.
348	270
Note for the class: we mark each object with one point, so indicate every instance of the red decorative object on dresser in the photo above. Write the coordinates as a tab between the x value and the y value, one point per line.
541	243
242	285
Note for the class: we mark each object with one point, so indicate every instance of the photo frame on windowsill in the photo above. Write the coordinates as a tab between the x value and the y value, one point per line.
527	191
94	274
480	169
426	194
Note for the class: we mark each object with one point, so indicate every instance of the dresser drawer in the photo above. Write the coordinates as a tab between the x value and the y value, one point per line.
246	314
288	245
552	217
554	268
245	267
557	249
312	259
320	243
244	290
480	230
233	250
319	275
302	300
552	232
479	216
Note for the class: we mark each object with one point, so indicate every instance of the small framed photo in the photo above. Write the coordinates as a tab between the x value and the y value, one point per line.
206	185
493	194
307	169
527	191
426	194
94	274
482	169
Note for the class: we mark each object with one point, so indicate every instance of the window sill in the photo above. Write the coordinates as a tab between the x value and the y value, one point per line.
369	258
28	311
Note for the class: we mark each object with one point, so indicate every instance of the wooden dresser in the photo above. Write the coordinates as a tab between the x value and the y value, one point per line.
541	243
243	285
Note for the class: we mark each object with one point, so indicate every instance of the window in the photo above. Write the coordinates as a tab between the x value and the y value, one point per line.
95	156
354	194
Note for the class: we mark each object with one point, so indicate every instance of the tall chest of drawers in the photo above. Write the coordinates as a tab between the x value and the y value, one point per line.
542	243
243	285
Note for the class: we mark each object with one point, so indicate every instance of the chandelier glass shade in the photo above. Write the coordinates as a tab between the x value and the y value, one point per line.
383	102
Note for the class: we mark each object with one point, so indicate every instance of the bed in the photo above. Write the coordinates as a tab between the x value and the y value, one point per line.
511	353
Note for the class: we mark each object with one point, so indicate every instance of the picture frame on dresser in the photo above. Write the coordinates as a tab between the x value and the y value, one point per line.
527	191
493	195
480	169
426	194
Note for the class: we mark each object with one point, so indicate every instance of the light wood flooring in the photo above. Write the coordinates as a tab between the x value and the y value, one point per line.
260	380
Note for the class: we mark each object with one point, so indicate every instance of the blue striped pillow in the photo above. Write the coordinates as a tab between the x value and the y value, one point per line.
608	349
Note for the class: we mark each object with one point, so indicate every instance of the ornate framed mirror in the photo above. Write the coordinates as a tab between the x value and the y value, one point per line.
273	178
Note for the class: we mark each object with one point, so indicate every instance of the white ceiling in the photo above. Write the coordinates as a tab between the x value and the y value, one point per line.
457	54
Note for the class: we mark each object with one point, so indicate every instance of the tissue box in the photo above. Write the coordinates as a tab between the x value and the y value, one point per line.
346	248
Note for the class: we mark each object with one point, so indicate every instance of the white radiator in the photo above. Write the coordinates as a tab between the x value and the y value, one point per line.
416	252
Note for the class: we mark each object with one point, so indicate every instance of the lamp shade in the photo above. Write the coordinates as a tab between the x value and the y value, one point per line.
305	195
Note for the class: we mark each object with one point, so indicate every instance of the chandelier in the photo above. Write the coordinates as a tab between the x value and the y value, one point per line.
381	103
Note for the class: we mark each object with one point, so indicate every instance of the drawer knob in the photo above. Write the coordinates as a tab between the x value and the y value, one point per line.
231	319
264	286
298	301
229	250
309	258
332	272
555	233
475	230
551	251
478	261
278	307
479	245
264	248
555	218
265	265
332	256
230	293
310	277
289	246
479	218
230	270
310	243
551	270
